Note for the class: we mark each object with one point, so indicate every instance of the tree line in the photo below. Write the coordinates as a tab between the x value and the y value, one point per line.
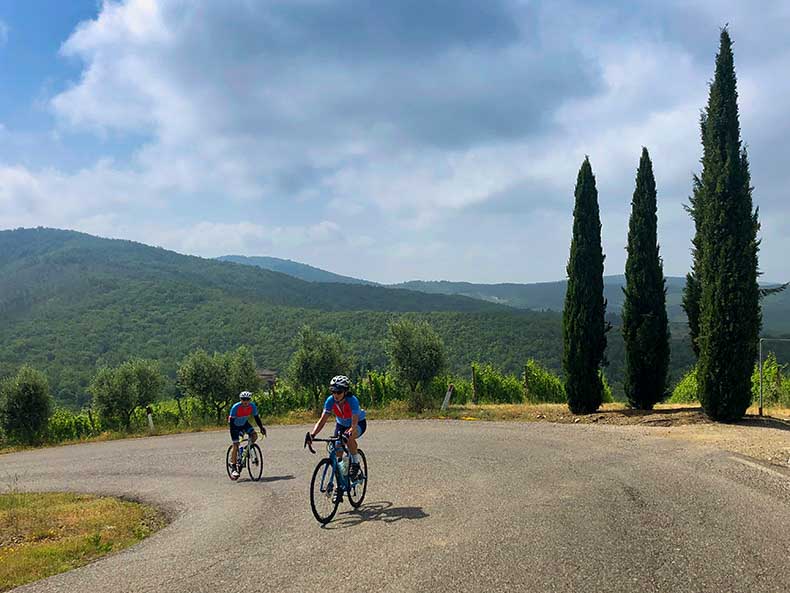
417	373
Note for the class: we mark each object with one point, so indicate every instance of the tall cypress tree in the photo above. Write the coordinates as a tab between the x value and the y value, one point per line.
645	328
583	322
730	316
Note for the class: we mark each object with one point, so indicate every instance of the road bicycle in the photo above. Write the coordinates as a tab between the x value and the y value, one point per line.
331	480
250	455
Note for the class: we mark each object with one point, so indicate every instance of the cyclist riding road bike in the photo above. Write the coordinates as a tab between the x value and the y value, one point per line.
349	418
239	423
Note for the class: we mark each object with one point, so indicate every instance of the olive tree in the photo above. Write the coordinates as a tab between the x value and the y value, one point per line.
416	354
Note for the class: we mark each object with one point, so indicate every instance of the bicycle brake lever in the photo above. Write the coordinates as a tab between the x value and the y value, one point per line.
308	443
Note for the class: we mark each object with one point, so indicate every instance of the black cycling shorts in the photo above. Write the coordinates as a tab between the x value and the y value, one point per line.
362	426
237	431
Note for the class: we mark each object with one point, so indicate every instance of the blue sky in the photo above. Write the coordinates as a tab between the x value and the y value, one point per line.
431	139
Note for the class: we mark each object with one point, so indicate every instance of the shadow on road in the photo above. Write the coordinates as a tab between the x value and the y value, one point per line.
688	415
268	479
659	411
765	422
377	511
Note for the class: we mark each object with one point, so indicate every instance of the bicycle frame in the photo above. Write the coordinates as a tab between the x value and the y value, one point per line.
244	449
331	448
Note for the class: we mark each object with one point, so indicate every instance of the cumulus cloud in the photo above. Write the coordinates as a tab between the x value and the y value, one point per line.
399	139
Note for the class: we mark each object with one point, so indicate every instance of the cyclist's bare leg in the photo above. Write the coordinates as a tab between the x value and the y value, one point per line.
234	455
352	441
253	436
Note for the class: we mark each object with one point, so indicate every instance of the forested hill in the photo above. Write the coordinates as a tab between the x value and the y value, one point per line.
71	302
41	264
541	295
295	269
550	296
536	296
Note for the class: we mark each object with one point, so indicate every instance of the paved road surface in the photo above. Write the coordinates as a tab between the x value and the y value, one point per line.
451	507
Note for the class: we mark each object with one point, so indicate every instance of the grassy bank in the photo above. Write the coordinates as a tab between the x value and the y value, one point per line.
42	534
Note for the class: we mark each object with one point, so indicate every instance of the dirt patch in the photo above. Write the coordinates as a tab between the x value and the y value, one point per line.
766	438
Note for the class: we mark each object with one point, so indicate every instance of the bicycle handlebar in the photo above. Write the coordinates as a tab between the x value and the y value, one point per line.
308	441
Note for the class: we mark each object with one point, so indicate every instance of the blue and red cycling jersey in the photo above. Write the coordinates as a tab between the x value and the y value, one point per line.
241	413
344	409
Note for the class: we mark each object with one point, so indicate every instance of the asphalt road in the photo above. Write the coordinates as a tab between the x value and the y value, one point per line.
451	507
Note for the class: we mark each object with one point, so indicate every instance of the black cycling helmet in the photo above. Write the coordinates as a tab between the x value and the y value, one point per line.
339	383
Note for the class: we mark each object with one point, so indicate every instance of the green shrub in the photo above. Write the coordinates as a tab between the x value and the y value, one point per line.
495	388
462	393
776	386
685	391
542	386
607	396
437	389
118	392
286	398
785	400
65	425
377	389
25	406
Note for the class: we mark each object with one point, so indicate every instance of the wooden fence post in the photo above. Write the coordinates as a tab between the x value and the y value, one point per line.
447	397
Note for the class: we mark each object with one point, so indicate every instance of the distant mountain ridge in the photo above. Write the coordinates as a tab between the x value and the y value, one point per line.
297	270
71	302
536	296
542	296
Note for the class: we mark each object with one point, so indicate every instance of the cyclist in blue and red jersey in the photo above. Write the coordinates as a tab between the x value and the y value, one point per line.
349	419
239	423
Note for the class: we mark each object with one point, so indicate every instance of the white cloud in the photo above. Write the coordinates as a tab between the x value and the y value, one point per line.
381	141
51	197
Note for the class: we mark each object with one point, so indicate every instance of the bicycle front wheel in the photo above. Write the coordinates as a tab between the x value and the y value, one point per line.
323	488
255	462
228	464
360	486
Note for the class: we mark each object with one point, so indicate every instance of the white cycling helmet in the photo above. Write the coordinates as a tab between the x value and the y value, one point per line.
339	383
245	395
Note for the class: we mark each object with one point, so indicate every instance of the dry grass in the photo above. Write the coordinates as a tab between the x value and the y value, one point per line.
42	534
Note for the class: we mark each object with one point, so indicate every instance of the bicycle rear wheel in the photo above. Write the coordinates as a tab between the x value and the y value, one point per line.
323	486
360	486
255	462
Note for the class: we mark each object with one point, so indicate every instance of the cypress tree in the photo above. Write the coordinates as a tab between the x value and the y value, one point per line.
645	328
730	316
583	321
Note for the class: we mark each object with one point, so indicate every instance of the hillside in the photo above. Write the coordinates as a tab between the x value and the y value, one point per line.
537	296
41	264
295	269
542	296
550	296
70	302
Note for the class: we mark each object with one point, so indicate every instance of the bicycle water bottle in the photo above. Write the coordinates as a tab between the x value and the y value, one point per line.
344	467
